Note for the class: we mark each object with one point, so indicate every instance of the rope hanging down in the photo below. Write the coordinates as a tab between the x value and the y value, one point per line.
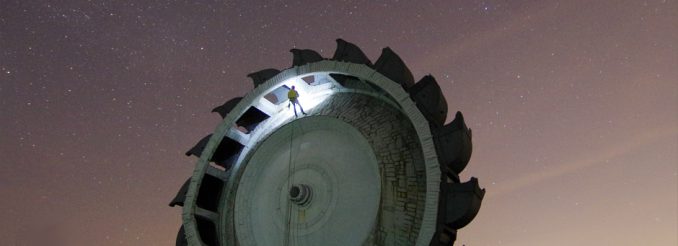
288	214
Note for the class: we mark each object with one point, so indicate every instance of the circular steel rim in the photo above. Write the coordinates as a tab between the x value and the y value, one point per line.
393	89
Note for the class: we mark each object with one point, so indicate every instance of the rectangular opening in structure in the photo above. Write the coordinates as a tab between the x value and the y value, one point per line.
210	192
278	96
309	79
227	153
250	120
350	82
319	80
207	230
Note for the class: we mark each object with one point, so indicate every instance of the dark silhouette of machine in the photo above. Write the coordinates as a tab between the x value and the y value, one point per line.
373	163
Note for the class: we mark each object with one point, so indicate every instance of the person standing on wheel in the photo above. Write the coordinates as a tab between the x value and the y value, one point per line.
293	95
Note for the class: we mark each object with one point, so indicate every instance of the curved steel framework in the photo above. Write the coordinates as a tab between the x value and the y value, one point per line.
372	164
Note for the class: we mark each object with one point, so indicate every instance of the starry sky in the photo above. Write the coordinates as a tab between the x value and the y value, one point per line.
573	106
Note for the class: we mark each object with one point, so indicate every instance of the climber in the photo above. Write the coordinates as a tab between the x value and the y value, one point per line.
293	95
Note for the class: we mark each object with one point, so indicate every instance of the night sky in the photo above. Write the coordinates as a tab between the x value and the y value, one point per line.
573	106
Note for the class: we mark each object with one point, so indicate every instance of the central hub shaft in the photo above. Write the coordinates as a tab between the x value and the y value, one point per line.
300	194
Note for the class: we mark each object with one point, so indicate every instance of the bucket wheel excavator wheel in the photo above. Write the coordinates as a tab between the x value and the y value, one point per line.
372	162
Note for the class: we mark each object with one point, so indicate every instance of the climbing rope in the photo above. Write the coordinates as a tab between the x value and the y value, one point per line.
288	213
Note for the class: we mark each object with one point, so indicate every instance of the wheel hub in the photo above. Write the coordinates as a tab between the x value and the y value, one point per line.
318	181
300	194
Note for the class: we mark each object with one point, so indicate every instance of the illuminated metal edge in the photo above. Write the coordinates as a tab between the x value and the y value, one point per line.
406	105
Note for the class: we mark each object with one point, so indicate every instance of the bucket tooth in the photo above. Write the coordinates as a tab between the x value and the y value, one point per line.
390	65
459	122
349	52
181	237
453	145
199	147
301	57
225	108
444	236
430	100
261	76
181	195
460	203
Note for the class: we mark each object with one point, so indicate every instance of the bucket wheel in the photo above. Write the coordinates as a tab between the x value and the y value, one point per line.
372	162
